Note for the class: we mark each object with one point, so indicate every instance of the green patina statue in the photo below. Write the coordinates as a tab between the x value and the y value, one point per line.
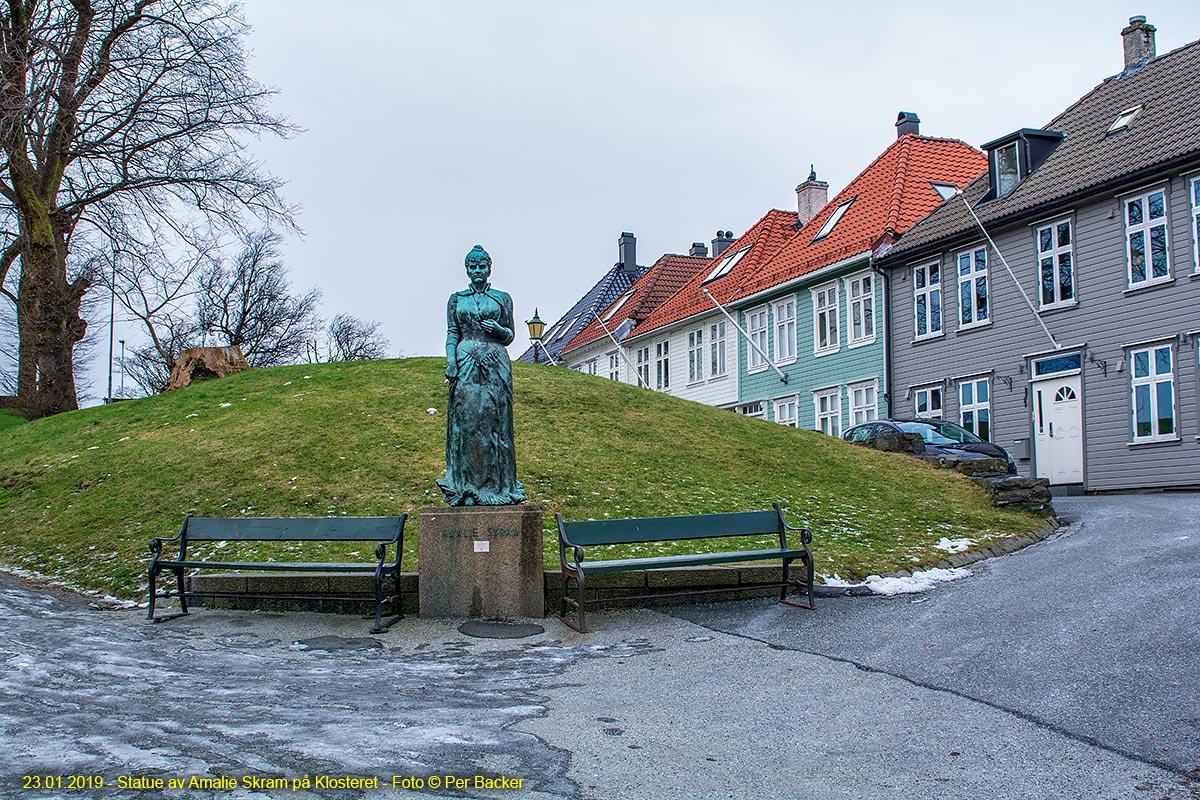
481	461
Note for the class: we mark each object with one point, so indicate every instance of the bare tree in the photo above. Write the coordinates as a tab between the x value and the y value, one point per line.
249	303
8	347
348	338
128	110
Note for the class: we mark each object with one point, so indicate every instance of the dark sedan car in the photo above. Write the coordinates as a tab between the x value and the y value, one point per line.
941	438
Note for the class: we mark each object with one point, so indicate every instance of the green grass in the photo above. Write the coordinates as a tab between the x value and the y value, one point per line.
82	493
10	420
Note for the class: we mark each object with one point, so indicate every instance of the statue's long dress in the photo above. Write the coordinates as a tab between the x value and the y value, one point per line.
481	462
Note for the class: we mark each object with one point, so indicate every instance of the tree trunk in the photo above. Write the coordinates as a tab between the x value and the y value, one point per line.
49	323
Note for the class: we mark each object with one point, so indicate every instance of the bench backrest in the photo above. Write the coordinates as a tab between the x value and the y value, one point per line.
276	529
654	529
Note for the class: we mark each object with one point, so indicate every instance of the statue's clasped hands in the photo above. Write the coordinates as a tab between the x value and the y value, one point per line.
493	327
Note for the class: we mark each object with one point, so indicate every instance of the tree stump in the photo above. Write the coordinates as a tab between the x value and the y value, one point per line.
203	363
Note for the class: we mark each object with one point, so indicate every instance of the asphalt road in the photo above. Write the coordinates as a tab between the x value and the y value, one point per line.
1067	670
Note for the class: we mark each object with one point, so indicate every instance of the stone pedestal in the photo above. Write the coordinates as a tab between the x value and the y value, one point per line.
480	561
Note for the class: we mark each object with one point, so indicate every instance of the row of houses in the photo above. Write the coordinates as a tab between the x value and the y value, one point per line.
1042	290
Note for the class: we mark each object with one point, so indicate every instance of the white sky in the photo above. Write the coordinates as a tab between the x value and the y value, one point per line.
542	130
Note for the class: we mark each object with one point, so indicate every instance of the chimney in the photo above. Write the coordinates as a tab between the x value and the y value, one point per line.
627	250
723	240
699	249
907	122
811	197
1139	42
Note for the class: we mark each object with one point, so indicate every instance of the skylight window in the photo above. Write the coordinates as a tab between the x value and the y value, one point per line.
568	326
616	306
945	190
1125	119
833	220
728	264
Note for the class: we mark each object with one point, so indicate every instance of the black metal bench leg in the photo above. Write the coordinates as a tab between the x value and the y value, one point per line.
179	580
567	602
153	581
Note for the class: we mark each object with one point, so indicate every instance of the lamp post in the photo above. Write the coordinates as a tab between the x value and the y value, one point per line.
122	394
112	317
536	329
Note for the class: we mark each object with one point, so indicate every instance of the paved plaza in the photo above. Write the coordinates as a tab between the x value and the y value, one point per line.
1066	670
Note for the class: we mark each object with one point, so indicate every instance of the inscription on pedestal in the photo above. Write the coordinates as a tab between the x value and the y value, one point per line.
480	561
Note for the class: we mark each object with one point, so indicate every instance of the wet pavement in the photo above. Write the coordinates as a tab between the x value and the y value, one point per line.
1067	670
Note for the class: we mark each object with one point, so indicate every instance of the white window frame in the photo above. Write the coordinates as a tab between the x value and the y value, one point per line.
716	343
1016	154
726	265
971	281
1153	379
617	306
614	365
1055	254
928	291
927	393
756	409
590	367
757	327
787	410
975	406
696	354
833	220
662	365
1145	227
643	367
831	311
861	412
784	312
832	414
1194	194
864	304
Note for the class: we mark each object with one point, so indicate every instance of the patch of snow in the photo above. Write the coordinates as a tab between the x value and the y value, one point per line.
94	447
837	580
431	411
954	545
225	405
918	582
289	383
308	377
123	439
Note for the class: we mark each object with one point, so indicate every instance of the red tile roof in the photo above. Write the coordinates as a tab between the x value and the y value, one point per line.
659	283
889	196
765	238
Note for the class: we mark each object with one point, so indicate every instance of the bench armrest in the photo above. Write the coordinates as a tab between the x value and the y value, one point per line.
564	543
805	533
398	540
157	542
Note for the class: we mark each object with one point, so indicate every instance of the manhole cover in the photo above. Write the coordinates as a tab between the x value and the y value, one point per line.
333	644
499	629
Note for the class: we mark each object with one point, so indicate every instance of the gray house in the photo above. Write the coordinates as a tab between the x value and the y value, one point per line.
1053	306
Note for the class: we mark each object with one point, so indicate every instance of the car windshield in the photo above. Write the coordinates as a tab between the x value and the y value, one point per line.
939	433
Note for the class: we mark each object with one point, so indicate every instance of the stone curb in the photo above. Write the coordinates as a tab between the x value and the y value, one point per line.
740	581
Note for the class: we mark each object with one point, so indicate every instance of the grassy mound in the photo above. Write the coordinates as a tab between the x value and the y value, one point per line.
9	420
82	493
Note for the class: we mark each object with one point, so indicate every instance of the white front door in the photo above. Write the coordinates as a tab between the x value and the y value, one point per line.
1058	429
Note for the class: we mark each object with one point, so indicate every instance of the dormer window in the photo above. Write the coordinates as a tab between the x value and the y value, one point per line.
1013	158
1125	119
833	220
1006	168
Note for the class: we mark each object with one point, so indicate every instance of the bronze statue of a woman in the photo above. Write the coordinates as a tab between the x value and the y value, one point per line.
481	461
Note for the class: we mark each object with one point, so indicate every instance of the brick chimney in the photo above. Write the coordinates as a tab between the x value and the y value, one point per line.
1138	39
699	249
907	122
719	244
811	197
627	252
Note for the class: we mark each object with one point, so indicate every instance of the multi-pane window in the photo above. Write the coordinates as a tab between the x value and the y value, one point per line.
862	402
614	366
973	302
1056	268
785	330
860	299
1146	238
756	326
928	402
754	409
828	403
696	355
825	319
643	366
1006	169
1153	378
662	366
590	367
927	299
1195	194
716	346
785	411
975	407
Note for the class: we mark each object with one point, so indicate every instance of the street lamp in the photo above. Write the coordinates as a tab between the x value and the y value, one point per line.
536	329
122	394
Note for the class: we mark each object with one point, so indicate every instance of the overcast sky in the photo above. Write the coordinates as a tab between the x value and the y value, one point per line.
542	130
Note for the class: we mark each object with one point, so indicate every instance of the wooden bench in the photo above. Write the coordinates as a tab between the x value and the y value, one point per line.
575	536
384	531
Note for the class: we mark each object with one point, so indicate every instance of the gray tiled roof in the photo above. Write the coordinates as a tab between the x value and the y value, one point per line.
1165	132
614	284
